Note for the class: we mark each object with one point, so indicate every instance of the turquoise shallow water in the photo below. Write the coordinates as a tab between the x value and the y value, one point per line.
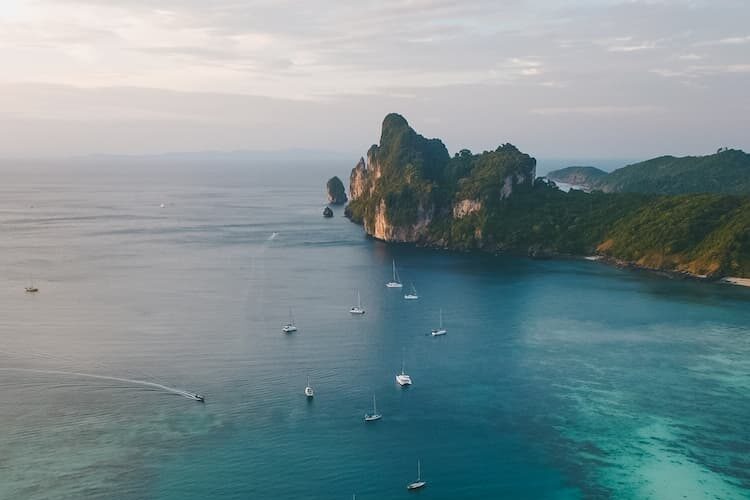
558	379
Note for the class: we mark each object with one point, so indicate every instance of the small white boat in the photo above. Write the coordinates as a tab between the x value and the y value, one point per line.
412	295
309	390
31	288
371	417
402	378
436	332
418	483
395	282
358	308
290	327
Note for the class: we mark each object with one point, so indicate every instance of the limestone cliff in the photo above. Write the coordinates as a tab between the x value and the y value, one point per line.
408	183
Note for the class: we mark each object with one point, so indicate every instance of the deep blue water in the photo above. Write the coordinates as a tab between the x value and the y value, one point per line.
557	379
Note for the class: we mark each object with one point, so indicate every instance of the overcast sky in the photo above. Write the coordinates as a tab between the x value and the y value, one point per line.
558	78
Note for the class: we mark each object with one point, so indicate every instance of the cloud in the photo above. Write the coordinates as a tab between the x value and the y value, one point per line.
605	110
733	40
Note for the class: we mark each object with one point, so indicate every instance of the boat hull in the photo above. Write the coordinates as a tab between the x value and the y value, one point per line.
417	485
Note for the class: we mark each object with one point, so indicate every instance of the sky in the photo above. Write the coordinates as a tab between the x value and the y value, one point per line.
558	78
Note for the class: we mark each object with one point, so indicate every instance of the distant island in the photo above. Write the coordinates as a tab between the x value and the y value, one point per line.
586	178
410	190
727	171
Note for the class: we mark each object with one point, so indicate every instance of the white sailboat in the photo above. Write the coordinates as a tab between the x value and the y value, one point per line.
308	389
31	288
412	295
418	483
358	308
395	282
370	417
290	327
402	378
436	332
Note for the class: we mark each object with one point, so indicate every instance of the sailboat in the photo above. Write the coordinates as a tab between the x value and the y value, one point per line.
412	295
308	389
418	483
290	327
436	332
402	378
370	417
31	288
358	308
395	282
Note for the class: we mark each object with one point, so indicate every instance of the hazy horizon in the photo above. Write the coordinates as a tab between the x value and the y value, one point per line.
561	79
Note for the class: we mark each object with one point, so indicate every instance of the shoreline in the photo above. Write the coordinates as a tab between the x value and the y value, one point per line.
611	261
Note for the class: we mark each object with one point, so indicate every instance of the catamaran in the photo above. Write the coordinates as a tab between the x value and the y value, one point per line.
308	389
290	327
402	378
412	295
358	308
395	282
436	332
418	483
370	417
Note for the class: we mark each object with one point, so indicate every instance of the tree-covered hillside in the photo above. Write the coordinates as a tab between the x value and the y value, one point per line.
727	171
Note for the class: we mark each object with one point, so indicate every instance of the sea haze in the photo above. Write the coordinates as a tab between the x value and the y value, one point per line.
557	379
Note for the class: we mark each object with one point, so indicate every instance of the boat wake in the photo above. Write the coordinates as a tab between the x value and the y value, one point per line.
174	390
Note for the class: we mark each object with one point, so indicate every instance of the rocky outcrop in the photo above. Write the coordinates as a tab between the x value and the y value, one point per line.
380	228
466	207
327	212
336	191
358	179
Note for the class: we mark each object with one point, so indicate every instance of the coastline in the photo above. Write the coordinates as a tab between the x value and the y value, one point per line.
544	255
735	280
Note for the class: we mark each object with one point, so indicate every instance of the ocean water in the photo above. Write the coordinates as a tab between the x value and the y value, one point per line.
557	379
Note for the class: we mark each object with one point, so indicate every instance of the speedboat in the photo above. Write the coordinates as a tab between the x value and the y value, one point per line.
199	397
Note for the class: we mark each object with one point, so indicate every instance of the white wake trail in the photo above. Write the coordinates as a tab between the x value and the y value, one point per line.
174	390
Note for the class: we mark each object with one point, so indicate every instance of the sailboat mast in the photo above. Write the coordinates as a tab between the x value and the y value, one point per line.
374	406
419	471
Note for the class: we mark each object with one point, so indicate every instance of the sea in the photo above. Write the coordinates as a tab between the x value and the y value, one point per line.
558	379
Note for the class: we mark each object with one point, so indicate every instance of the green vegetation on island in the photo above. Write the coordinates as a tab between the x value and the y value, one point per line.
411	190
727	172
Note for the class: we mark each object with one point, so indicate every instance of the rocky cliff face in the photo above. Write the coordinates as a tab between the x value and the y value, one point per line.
409	183
466	207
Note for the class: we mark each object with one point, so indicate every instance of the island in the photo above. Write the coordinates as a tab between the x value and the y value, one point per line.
727	171
586	178
409	189
336	191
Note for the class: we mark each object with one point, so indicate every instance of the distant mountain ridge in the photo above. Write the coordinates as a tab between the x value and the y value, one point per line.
727	172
